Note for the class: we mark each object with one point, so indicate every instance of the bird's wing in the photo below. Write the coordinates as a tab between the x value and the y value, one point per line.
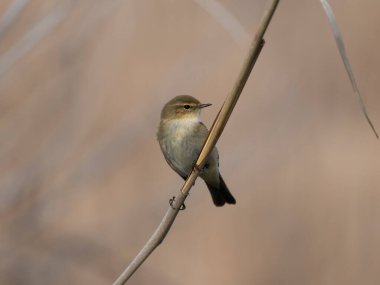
202	129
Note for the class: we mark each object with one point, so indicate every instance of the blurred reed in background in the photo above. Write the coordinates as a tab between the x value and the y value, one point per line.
82	84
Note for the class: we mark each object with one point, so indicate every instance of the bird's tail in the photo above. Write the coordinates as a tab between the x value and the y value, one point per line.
220	194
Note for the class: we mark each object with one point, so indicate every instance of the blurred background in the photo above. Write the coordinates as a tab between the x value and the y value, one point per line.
83	183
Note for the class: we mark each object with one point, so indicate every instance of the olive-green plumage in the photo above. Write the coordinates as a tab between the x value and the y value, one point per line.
181	135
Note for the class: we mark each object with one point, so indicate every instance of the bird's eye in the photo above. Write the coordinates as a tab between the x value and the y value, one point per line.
186	107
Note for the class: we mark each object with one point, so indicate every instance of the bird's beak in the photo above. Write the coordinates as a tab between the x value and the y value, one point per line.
204	105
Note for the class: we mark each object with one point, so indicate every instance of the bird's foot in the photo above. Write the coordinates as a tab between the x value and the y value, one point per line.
181	208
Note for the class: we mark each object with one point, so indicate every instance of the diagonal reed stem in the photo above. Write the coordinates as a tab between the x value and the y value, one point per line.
214	134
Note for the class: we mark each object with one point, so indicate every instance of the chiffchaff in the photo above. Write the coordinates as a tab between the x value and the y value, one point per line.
181	135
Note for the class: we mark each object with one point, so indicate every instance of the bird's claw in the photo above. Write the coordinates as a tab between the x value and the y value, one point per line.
181	208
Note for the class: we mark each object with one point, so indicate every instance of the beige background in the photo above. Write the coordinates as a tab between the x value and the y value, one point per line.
83	183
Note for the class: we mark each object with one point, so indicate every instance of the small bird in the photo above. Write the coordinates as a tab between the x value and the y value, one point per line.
181	135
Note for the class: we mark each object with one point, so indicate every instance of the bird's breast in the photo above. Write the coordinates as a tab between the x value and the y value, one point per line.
179	130
178	143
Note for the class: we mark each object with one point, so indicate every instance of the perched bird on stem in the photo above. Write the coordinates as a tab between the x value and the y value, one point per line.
181	135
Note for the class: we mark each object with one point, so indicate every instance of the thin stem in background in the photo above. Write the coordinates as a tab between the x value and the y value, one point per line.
11	14
342	50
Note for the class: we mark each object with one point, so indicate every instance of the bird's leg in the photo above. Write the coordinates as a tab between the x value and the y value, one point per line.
203	169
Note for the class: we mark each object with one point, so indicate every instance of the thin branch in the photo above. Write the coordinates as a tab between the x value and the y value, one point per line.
214	134
342	50
10	15
30	40
226	19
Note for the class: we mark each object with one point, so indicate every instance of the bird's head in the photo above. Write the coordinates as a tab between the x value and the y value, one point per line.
182	107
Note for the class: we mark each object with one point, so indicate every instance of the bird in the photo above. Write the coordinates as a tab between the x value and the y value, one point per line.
181	135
